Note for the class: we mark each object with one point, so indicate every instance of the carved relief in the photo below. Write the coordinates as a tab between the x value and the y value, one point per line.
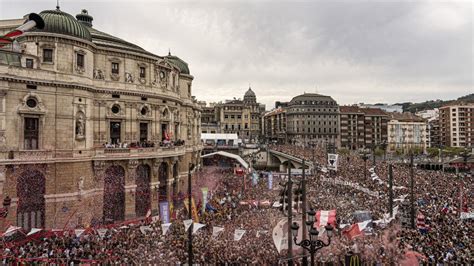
32	104
144	111
114	77
98	74
129	77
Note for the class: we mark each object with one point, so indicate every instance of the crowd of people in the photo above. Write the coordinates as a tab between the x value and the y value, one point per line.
448	239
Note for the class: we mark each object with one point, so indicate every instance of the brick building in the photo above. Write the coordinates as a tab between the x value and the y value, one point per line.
456	124
362	127
92	128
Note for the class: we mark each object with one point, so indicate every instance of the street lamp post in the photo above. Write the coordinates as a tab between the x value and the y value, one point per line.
190	230
311	244
303	209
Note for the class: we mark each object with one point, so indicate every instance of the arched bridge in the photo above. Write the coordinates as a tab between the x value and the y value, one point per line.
282	160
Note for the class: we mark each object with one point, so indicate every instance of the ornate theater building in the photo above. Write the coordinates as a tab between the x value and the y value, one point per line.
93	129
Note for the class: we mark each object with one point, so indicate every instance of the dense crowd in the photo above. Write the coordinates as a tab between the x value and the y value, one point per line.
448	239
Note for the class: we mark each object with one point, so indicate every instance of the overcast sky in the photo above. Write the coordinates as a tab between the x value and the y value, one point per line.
354	51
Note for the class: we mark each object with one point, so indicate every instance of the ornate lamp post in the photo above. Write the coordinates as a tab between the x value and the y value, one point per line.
313	244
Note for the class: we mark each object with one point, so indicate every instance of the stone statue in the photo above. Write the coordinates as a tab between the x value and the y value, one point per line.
80	126
80	186
98	74
129	77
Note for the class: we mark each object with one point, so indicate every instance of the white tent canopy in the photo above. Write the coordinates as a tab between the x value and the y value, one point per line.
229	155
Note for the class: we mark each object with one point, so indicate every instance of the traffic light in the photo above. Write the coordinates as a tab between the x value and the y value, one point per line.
298	196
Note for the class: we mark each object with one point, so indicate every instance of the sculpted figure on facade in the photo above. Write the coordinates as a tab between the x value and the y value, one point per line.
129	77
80	125
98	74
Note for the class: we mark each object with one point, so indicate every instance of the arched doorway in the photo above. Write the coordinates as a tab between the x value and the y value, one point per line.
142	194
114	194
31	204
163	178
175	183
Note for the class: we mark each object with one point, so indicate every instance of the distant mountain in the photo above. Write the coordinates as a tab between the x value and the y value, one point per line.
416	107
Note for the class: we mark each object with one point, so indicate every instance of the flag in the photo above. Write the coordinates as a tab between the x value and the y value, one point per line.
194	211
197	226
145	228
101	232
11	230
34	231
187	224
148	213
270	181
216	230
164	212
204	198
332	161
79	232
238	234
420	223
356	229
324	218
165	228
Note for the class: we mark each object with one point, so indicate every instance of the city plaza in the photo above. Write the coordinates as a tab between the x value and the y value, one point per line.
101	150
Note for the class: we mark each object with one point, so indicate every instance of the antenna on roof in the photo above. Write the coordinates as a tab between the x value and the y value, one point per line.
57	4
169	51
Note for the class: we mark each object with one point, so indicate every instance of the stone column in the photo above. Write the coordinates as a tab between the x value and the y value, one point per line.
130	189
154	185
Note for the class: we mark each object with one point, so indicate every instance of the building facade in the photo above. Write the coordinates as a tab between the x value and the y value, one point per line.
94	129
362	127
274	126
406	132
456	123
313	118
242	117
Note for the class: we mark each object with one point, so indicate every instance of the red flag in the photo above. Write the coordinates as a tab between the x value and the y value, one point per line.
356	229
353	231
324	218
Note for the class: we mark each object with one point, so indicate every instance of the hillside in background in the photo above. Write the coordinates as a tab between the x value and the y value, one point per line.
416	107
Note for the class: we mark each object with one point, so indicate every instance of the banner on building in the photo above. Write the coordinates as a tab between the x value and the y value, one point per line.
165	212
332	161
204	198
270	181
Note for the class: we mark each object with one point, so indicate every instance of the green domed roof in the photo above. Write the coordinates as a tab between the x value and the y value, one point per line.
183	66
56	21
